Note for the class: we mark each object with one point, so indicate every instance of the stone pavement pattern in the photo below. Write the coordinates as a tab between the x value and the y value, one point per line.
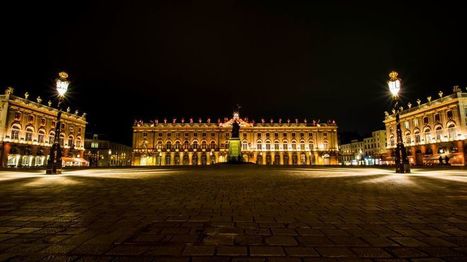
240	213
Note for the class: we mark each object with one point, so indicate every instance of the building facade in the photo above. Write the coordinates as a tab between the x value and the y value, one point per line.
433	132
27	130
105	153
370	151
206	143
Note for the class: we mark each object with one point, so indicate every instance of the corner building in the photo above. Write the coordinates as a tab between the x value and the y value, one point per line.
178	142
432	130
27	130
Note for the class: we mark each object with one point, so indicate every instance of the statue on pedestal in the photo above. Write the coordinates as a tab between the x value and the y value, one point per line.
235	130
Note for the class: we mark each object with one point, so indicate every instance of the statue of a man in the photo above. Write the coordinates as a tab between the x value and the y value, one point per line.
235	130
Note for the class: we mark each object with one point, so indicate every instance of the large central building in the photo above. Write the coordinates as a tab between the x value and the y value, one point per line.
180	142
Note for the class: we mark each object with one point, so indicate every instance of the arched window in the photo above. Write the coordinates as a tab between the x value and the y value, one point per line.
438	131
244	145
285	146
325	144
276	145
70	141
15	132
417	136
311	144
213	145
168	145
427	132
159	145
302	145
195	144
391	140
259	145
41	136
204	145
408	140
186	145
294	145
62	139
29	131
451	130
177	145
268	144
78	142
51	137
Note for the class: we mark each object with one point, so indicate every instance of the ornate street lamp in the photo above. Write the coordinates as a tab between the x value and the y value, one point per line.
402	162
54	164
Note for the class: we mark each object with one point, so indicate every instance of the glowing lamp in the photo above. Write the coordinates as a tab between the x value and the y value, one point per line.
62	84
394	84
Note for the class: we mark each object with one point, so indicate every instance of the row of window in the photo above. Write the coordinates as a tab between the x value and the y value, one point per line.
259	135
428	138
43	122
41	137
426	119
245	145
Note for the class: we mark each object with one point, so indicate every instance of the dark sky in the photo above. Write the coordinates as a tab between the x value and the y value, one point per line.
320	60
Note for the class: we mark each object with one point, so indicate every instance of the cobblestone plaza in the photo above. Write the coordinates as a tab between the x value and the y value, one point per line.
234	213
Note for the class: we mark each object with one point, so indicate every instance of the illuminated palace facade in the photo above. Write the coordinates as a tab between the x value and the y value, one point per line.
434	129
27	130
178	142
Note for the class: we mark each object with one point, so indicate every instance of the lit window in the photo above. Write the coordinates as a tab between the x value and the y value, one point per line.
41	136
29	131
15	132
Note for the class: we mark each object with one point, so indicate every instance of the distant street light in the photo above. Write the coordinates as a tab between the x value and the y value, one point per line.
401	161
54	164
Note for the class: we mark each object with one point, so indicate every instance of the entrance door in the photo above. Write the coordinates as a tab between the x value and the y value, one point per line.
177	159
277	159
303	158
194	159
259	160
294	159
204	159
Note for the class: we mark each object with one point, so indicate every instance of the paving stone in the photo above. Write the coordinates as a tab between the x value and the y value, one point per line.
371	252
266	251
199	251
232	251
335	252
238	213
281	241
406	252
301	252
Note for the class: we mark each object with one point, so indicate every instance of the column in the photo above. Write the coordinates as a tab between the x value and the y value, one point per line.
163	158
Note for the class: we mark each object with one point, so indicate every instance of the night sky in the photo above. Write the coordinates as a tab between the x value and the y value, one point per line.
320	60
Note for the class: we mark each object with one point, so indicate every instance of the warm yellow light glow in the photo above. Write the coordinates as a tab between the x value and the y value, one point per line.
394	84
62	84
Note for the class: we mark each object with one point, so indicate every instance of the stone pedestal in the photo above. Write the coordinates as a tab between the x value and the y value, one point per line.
235	153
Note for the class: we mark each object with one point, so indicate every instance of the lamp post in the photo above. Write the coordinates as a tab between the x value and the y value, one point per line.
54	164
402	162
110	156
